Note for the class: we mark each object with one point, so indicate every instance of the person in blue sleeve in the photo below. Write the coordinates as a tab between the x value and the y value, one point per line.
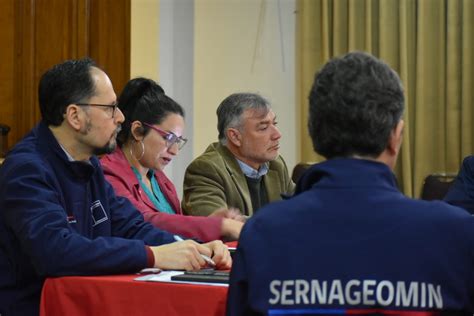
461	192
58	215
349	242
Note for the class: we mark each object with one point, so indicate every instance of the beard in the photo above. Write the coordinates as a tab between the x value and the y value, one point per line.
109	147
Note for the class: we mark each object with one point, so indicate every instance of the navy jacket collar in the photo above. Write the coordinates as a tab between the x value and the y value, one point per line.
347	172
51	149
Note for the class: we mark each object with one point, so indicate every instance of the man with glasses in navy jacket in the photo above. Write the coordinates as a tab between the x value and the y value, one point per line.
58	215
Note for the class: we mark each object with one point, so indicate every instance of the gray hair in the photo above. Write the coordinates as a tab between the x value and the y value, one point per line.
229	113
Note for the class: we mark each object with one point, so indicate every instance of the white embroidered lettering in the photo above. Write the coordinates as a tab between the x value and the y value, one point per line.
273	288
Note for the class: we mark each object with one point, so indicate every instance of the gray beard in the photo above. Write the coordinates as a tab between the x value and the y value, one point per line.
107	149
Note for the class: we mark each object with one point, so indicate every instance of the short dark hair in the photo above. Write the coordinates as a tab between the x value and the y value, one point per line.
354	104
229	113
144	100
63	84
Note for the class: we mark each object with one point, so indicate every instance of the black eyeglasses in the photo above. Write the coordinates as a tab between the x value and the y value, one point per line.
110	106
169	137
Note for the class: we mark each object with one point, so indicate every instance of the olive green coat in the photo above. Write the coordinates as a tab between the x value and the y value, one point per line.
215	180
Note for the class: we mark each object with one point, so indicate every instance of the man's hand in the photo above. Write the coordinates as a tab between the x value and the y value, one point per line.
220	254
186	255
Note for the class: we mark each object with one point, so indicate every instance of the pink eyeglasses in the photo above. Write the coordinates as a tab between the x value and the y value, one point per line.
169	137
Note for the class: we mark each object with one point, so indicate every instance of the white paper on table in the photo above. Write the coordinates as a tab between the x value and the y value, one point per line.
165	276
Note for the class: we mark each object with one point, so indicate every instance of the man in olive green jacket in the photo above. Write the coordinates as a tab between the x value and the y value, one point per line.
244	170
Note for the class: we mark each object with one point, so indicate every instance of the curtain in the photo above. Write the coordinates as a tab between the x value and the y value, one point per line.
430	43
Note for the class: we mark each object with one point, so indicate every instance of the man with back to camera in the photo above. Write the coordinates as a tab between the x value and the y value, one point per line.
244	169
58	216
353	243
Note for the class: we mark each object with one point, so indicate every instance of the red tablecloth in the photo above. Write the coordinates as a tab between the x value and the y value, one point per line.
121	295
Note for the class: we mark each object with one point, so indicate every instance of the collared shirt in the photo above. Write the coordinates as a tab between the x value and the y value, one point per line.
69	157
251	172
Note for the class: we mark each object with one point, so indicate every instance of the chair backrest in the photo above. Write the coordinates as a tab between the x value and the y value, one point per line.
299	169
437	185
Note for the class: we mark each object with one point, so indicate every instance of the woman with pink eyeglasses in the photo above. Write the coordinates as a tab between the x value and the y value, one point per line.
151	136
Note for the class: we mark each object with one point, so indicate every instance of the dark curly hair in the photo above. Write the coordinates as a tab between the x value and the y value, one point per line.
355	102
144	100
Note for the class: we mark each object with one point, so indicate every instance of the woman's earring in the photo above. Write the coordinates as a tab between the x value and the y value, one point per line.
143	151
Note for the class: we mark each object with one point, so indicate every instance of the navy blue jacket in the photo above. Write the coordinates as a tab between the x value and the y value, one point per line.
461	192
62	218
349	241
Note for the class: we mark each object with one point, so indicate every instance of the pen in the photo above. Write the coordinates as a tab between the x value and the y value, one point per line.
150	271
208	260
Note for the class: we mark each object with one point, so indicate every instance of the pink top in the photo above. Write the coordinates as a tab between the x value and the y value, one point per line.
120	175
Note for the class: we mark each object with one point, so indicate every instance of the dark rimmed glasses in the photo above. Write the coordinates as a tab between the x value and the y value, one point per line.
169	137
110	106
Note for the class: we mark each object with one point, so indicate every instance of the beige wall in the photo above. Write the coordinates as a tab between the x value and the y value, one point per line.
241	45
210	49
144	39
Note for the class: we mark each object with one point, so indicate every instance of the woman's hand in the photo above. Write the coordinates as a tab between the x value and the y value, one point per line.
231	213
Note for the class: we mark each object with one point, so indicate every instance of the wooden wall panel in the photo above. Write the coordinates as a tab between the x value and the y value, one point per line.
6	66
42	33
25	85
111	26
